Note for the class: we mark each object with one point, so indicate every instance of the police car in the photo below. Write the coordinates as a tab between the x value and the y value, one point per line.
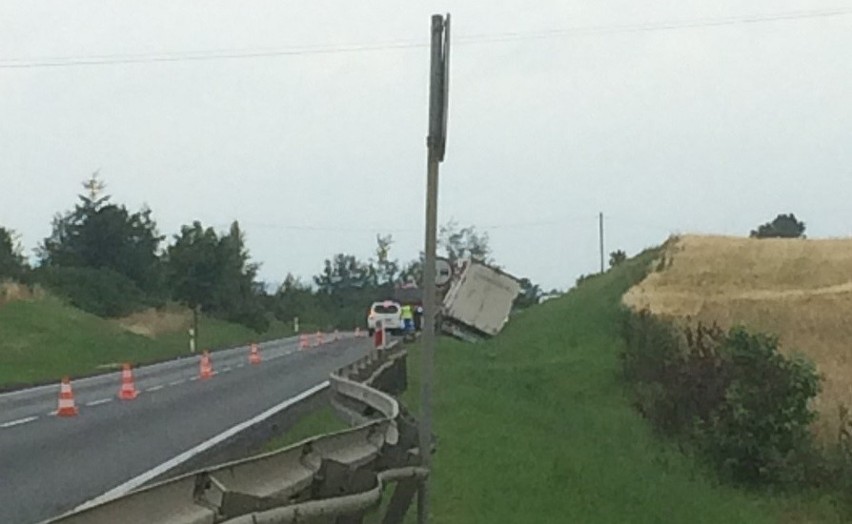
388	312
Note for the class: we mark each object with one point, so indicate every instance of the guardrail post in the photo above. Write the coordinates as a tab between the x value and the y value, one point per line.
403	494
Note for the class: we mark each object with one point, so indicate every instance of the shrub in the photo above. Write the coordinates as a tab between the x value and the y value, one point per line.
783	226
731	396
250	314
617	257
760	429
102	292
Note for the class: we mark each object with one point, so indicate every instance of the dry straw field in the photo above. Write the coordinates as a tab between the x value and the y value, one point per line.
801	290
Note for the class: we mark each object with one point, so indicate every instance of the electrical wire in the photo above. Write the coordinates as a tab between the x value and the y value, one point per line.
225	54
556	222
658	26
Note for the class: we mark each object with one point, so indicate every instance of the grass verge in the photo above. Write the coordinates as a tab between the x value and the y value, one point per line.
43	339
320	421
536	426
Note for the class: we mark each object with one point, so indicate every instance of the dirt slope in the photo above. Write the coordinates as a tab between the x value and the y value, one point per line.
153	322
11	291
798	289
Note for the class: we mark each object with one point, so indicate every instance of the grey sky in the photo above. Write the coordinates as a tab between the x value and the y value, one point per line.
701	129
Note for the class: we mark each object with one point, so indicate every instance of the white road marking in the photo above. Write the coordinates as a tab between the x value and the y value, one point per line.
51	413
193	378
240	365
155	388
154	472
98	402
17	422
226	369
176	382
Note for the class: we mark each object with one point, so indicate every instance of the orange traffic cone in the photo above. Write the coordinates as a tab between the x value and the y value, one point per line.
67	408
128	388
206	369
303	341
254	356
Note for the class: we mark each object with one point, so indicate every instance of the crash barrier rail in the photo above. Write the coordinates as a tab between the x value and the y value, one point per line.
331	478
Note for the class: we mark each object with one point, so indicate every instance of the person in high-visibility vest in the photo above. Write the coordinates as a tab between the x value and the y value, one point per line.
407	318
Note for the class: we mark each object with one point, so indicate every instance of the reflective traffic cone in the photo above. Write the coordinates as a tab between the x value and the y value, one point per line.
128	388
254	356
206	369
66	408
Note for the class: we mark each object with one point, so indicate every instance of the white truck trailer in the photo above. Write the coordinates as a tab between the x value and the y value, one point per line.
478	302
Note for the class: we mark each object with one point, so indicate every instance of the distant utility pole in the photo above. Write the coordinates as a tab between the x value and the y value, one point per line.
601	237
436	144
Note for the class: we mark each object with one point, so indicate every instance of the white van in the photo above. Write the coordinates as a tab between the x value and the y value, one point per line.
388	312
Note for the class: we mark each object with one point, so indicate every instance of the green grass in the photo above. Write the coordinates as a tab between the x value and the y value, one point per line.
536	426
321	421
45	339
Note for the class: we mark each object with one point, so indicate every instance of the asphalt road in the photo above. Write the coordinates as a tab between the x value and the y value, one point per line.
50	464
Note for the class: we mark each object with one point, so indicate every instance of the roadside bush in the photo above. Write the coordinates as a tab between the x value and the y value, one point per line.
585	278
251	314
839	463
731	396
102	292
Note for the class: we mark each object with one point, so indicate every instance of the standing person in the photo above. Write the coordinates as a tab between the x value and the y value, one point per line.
418	318
407	319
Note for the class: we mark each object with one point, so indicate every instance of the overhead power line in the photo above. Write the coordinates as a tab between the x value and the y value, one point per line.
233	54
580	221
697	23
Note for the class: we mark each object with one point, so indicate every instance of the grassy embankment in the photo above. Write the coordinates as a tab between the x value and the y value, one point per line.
798	289
43	339
535	426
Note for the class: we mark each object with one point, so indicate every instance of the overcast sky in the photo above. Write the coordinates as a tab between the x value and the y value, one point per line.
703	128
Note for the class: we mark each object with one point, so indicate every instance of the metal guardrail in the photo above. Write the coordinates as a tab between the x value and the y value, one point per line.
335	477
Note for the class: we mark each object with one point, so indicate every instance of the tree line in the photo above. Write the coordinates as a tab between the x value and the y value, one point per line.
111	261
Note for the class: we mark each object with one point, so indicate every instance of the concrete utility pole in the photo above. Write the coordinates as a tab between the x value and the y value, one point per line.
436	143
601	237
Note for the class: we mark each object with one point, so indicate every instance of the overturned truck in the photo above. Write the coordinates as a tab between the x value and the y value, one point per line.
474	304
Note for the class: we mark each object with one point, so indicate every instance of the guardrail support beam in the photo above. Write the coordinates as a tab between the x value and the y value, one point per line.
403	494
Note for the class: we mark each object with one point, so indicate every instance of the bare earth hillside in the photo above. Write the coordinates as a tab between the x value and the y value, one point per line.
153	322
800	290
11	291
